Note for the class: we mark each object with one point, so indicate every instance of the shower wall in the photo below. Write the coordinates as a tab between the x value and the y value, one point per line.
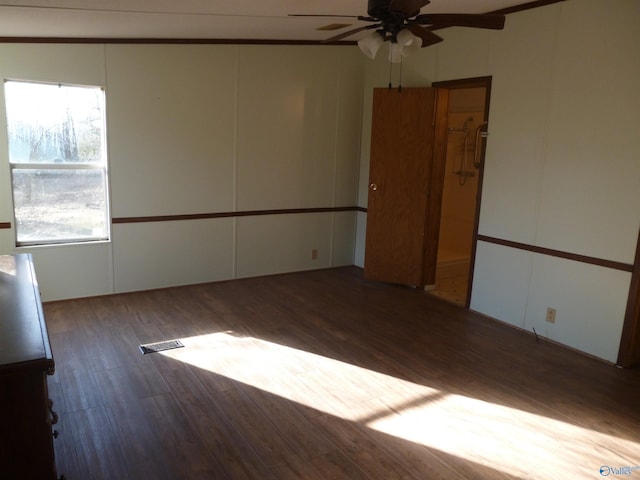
466	109
459	196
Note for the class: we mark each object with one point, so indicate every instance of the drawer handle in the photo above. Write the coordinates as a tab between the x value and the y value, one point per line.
54	415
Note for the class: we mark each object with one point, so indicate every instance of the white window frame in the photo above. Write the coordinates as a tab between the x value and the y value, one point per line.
101	166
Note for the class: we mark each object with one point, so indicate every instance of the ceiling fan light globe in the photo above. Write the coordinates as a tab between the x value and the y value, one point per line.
370	44
408	40
409	43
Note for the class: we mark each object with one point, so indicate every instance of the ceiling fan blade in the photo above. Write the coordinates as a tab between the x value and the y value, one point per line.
427	36
442	20
408	8
348	33
319	15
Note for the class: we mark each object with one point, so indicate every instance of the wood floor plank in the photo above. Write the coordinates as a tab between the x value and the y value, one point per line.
155	453
302	439
371	458
258	430
323	375
337	465
219	438
98	451
296	468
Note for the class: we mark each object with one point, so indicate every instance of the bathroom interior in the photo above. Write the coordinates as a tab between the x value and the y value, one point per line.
466	132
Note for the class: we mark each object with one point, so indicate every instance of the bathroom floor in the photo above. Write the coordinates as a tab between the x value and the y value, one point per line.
452	289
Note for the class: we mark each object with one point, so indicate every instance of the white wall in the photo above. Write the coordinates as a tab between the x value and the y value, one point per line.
198	129
562	168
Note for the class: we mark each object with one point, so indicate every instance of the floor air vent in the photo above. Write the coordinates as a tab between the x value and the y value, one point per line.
160	346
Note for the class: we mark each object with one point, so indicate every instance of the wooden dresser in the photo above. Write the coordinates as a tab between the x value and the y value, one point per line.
26	436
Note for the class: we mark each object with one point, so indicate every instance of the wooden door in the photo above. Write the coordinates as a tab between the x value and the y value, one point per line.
402	184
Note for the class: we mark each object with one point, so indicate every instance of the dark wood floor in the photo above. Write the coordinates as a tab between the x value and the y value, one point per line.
322	375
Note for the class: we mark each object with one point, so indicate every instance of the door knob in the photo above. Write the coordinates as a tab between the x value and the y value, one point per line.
373	187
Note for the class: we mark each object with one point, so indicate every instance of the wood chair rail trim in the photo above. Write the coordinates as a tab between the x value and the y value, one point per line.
625	267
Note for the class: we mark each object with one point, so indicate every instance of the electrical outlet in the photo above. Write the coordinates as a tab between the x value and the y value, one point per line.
551	315
314	254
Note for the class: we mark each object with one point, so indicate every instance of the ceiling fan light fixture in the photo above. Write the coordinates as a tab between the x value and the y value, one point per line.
405	44
370	44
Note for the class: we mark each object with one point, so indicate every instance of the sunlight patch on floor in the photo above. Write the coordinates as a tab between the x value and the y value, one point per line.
513	441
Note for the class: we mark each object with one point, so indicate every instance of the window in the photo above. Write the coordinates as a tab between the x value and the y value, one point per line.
57	157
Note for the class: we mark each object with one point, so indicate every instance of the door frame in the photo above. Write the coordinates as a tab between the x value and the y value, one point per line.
475	82
629	352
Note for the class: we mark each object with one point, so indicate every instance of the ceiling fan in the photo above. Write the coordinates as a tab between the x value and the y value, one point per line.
401	23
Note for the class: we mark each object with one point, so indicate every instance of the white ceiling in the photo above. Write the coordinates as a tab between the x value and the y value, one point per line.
199	19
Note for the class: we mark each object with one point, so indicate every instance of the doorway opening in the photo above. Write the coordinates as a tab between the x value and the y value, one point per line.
467	116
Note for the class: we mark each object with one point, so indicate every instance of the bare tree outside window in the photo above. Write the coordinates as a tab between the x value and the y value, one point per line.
58	162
